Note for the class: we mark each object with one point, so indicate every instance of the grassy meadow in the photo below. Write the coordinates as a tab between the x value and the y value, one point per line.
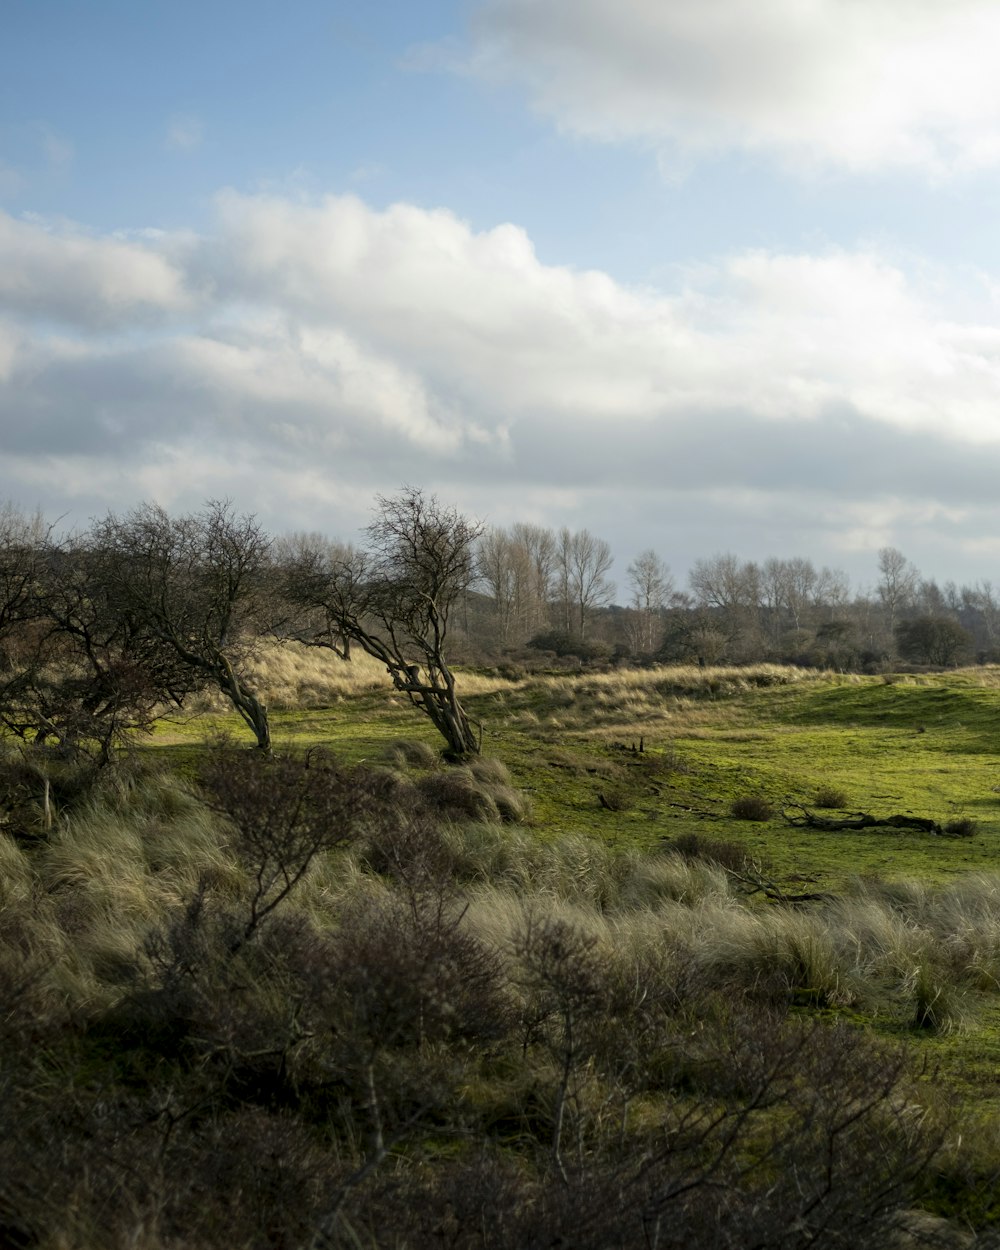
925	745
321	1005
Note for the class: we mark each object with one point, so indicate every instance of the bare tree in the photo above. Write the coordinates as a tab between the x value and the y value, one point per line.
651	585
200	585
536	547
731	590
316	587
395	598
582	564
502	571
897	585
22	542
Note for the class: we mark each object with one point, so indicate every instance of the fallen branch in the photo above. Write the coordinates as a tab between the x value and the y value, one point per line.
800	816
750	880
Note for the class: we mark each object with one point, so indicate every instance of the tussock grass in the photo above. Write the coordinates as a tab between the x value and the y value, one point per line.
412	753
15	873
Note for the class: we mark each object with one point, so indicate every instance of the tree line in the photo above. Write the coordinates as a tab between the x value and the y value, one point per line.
103	628
550	590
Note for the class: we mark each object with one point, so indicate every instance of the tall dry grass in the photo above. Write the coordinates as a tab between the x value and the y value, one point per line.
117	864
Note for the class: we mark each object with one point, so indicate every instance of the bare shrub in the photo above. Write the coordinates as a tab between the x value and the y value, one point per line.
961	827
409	972
751	807
284	810
411	849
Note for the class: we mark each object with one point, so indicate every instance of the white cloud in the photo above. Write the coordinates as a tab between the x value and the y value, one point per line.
860	84
66	275
349	350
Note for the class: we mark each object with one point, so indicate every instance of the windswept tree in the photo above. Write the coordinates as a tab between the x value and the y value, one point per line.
76	672
200	587
394	598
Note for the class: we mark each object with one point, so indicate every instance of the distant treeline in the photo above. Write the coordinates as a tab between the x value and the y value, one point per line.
545	590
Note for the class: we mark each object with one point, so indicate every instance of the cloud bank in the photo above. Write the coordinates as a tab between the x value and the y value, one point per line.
304	355
854	84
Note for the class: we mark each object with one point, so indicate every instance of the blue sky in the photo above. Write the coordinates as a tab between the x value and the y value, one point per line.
706	278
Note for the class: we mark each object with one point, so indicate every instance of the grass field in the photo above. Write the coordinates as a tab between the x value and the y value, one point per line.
596	833
925	745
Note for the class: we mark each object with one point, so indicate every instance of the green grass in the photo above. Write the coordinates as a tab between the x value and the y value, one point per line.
926	746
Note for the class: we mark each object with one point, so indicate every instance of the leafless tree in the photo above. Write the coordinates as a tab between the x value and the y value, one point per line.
898	582
75	673
502	572
200	585
394	599
317	585
536	546
582	564
651	584
731	590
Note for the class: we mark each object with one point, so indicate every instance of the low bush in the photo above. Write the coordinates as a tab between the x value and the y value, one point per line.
751	807
830	797
696	846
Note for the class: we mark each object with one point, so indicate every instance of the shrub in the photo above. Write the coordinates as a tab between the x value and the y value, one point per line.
829	796
751	807
961	827
694	846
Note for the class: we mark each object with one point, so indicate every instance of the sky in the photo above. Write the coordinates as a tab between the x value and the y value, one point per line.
701	278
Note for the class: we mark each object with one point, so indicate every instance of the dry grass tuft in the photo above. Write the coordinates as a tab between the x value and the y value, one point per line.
411	753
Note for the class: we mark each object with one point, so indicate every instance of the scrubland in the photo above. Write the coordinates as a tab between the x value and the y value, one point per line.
560	995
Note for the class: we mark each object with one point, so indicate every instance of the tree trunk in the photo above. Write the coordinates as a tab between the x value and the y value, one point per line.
250	708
